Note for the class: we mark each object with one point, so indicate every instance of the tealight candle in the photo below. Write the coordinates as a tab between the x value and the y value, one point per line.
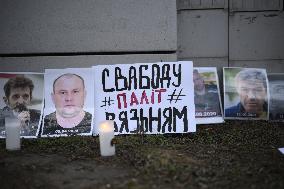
106	134
12	129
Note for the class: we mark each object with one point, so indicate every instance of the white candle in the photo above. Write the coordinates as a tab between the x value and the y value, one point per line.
12	129
106	133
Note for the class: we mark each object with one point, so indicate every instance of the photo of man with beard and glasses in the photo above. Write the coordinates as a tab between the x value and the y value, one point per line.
19	100
68	97
245	93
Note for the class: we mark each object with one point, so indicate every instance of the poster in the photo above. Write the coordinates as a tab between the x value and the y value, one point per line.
276	103
145	98
69	102
207	99
245	93
22	97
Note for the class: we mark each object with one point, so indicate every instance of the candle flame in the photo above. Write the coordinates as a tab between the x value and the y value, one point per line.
106	126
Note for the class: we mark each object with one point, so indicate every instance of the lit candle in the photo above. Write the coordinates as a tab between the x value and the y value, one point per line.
106	133
12	129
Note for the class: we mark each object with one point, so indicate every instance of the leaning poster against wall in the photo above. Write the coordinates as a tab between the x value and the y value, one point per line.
69	102
207	98
276	103
21	99
146	97
245	93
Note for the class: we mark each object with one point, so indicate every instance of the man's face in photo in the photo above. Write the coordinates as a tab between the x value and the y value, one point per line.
198	82
19	97
252	95
69	95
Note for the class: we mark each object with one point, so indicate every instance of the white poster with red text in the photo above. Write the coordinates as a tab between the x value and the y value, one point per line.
145	98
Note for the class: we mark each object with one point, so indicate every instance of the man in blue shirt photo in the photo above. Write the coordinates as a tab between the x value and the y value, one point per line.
251	86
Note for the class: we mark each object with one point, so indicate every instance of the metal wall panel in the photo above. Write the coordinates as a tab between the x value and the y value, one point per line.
203	33
255	5
39	64
41	26
201	4
219	63
271	66
256	36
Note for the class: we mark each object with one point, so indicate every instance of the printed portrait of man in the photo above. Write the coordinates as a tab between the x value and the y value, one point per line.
18	94
206	96
251	88
68	97
276	105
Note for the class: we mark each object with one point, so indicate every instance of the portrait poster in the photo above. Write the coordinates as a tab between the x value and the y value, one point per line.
69	102
208	108
150	98
22	98
276	103
245	93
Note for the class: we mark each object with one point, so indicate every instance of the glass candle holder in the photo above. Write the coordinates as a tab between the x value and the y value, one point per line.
106	135
12	130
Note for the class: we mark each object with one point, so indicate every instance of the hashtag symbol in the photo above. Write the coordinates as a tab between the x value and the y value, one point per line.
107	102
175	97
